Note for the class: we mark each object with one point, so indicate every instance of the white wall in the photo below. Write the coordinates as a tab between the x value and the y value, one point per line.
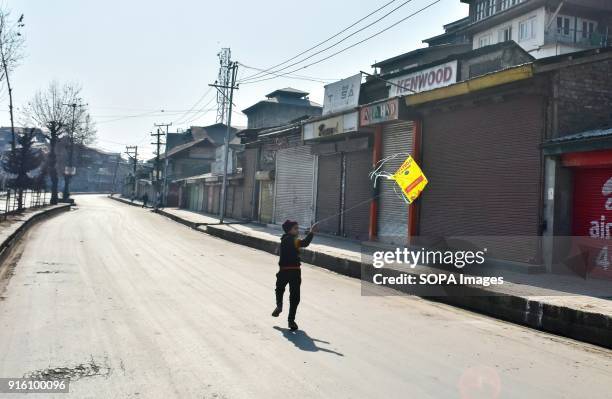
531	45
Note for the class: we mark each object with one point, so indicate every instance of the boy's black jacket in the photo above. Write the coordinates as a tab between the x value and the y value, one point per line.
290	249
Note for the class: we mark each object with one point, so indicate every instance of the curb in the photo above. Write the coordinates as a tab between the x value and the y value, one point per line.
32	220
127	202
177	219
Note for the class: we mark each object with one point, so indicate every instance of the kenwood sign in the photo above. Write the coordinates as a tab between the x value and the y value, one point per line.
424	80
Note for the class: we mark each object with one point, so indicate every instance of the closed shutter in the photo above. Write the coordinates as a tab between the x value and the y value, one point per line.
229	199
397	138
250	167
358	193
205	195
216	189
329	191
484	172
592	216
238	200
266	201
294	183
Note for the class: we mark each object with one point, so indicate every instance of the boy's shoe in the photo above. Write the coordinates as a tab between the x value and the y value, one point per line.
277	311
293	325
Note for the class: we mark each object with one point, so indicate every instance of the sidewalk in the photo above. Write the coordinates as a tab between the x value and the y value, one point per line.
551	303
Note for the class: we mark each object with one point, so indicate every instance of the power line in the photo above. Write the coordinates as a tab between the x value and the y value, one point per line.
323	42
193	106
336	43
350	46
299	77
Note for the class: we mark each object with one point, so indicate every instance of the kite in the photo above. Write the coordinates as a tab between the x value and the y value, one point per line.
409	177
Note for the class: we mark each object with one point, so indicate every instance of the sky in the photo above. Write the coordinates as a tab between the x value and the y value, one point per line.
141	62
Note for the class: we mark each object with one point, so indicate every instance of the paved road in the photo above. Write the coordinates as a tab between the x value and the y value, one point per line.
132	305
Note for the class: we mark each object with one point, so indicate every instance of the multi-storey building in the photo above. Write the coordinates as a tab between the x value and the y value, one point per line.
543	28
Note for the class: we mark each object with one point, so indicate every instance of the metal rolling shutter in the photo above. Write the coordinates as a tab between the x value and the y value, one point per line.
329	190
591	195
294	180
266	201
358	192
205	198
229	199
237	204
250	167
397	138
216	189
484	171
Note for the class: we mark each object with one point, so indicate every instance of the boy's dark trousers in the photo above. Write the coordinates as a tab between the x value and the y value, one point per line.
293	277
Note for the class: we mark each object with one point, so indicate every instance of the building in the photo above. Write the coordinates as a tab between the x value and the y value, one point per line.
515	164
395	126
280	107
543	28
187	155
276	166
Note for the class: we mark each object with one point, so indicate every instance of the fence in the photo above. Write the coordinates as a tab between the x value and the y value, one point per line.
31	199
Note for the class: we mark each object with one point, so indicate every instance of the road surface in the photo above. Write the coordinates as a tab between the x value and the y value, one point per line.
133	305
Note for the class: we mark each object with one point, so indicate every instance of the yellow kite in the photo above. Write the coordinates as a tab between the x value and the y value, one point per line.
411	179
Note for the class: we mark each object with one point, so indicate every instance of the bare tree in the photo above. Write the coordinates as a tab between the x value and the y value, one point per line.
11	52
49	111
82	133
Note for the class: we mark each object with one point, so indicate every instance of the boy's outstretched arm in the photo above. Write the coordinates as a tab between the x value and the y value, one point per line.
306	241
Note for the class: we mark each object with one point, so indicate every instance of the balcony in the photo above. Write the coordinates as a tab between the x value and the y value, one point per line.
578	38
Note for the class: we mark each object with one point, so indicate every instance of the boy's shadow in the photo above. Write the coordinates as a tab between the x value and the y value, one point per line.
304	342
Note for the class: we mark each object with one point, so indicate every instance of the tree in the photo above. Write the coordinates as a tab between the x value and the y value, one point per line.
11	52
49	111
21	162
82	132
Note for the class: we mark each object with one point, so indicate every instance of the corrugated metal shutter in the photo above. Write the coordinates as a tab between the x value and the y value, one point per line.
205	198
329	191
216	189
592	215
294	183
201	198
250	167
266	201
238	200
229	200
397	138
358	192
483	167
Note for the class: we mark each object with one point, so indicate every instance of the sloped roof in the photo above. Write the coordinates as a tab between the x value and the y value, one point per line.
180	148
288	91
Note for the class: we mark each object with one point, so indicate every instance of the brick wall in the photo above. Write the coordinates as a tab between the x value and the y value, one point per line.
584	97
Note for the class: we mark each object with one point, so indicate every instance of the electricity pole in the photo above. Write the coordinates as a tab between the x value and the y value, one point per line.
69	169
132	153
158	144
232	71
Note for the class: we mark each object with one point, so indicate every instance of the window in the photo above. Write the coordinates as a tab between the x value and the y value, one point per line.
563	26
527	29
484	41
505	34
588	28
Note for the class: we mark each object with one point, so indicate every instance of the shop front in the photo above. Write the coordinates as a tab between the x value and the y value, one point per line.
343	186
393	141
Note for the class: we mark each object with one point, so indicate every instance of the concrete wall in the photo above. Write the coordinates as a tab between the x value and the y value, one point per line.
584	97
275	114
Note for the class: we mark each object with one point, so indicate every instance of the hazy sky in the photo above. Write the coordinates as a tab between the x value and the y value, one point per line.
135	58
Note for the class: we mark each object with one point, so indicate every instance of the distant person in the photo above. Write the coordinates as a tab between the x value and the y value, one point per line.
145	199
158	201
290	272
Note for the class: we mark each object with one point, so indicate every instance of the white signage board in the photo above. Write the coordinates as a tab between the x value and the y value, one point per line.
342	95
424	80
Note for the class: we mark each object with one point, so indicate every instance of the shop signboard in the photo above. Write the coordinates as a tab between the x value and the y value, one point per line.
331	126
342	95
424	80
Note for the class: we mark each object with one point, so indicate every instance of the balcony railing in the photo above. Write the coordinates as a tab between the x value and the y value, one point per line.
578	38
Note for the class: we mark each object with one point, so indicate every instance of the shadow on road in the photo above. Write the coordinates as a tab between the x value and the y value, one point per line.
304	342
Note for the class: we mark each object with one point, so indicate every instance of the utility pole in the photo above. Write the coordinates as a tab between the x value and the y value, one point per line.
232	72
132	153
69	169
158	144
